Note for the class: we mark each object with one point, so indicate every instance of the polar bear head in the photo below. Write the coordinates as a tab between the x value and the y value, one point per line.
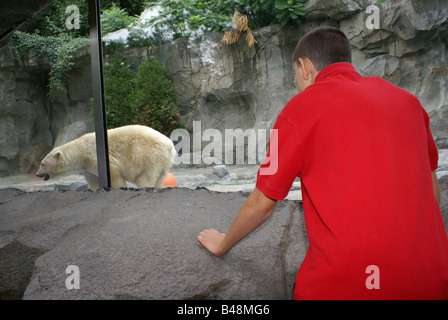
52	165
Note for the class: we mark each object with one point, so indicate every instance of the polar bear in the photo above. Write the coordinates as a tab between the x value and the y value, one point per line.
138	154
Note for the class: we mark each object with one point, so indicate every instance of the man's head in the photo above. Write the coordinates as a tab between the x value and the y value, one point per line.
316	50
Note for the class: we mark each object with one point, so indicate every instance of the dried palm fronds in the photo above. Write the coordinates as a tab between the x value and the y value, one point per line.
240	22
240	25
230	36
250	39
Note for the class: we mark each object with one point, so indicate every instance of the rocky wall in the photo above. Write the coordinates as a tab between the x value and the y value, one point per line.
24	115
32	123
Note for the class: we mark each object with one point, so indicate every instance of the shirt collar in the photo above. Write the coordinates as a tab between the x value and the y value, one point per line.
338	67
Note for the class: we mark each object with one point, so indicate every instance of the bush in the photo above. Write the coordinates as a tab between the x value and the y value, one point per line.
288	11
155	101
119	92
114	19
144	97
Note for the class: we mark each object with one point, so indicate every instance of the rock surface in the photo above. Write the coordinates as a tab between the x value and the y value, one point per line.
140	244
439	127
30	123
236	86
409	49
443	181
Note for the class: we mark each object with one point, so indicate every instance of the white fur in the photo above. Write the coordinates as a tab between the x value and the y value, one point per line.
137	154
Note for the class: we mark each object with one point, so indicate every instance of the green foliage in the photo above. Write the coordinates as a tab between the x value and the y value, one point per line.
133	7
60	51
138	38
155	97
51	20
144	97
47	33
265	12
288	11
183	17
186	16
119	89
114	19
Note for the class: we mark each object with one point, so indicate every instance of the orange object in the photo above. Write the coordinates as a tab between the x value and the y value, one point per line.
170	180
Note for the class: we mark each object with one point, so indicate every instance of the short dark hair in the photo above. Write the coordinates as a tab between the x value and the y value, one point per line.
323	46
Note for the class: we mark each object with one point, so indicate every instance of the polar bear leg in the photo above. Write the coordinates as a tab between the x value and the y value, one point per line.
145	181
160	180
92	180
116	179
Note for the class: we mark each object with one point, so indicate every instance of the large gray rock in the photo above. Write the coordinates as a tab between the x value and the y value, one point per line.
337	10
71	108
236	86
24	121
439	126
409	48
142	245
443	182
32	123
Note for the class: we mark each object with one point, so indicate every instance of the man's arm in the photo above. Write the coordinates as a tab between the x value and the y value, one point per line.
436	187
256	209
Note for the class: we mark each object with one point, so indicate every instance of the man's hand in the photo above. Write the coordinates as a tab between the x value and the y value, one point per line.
211	239
256	209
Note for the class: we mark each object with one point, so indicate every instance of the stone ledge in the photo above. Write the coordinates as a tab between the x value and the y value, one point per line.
140	244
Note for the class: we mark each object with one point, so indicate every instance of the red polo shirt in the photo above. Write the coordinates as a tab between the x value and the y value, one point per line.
364	153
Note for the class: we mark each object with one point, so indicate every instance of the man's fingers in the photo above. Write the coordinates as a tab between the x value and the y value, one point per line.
204	233
208	233
202	237
211	239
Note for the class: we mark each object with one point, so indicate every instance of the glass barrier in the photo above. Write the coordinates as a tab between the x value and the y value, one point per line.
51	113
46	86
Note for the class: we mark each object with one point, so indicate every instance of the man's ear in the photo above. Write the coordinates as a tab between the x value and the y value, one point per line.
305	64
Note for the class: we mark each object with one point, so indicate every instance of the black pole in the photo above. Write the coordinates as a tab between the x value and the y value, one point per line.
96	54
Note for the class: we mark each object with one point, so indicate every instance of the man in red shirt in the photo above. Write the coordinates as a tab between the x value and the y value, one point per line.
366	159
